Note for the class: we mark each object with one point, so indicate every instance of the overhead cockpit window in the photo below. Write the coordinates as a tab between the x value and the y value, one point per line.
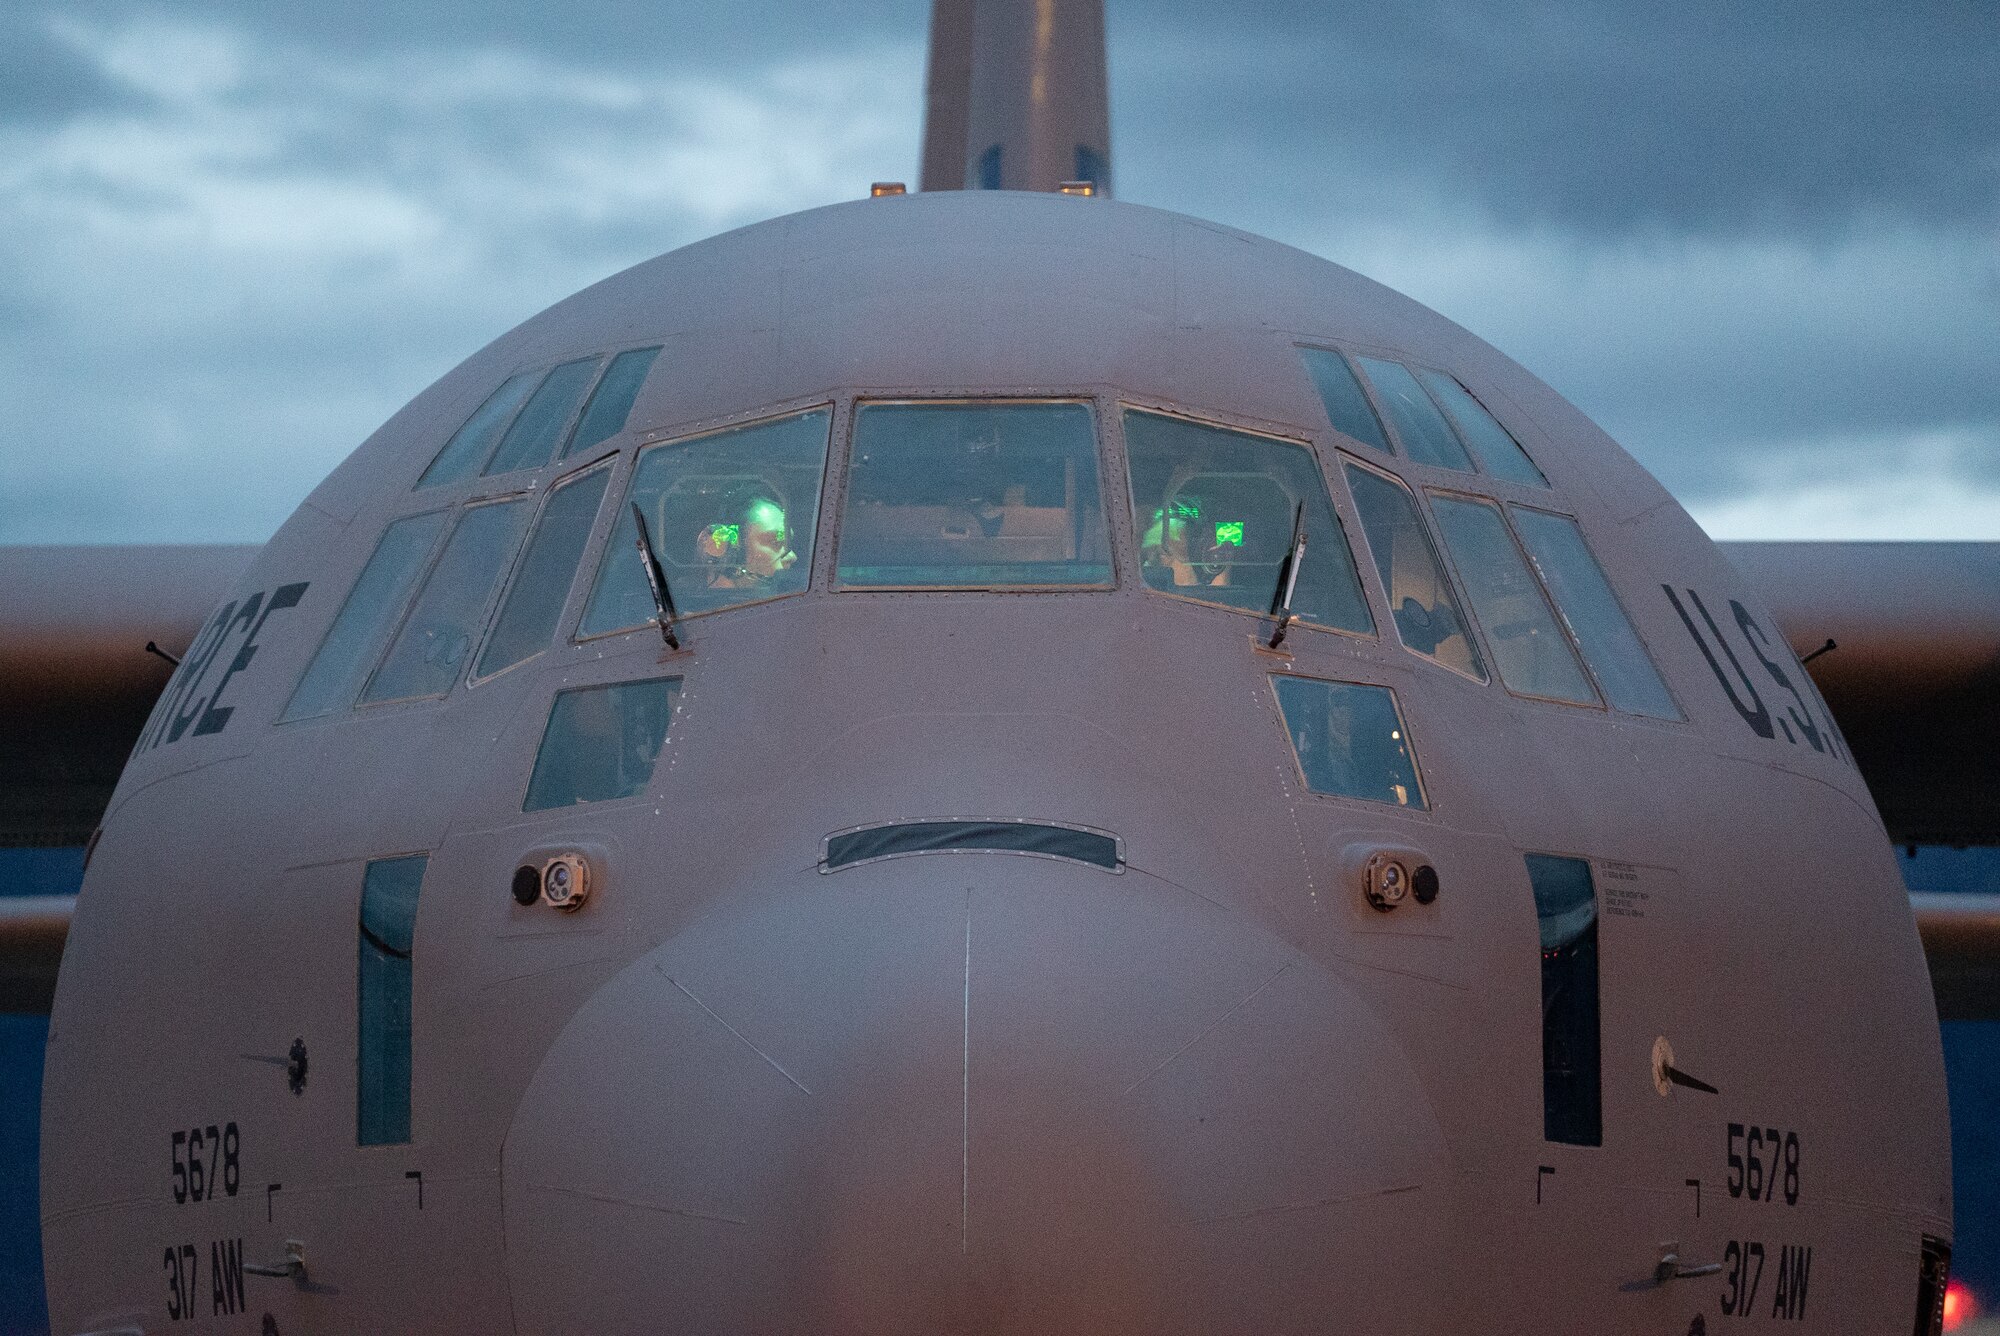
1566	912
1427	438
983	495
389	890
1530	650
1612	649
502	435
437	634
527	619
470	444
1347	406
1350	740
1427	616
1498	452
731	518
601	743
532	439
1215	509
357	634
611	402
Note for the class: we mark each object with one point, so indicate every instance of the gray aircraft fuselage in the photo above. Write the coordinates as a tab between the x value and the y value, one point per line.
1209	1089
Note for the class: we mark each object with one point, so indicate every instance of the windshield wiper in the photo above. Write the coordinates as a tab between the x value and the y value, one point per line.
1288	577
656	582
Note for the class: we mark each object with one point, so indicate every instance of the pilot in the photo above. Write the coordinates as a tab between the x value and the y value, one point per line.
1197	551
749	551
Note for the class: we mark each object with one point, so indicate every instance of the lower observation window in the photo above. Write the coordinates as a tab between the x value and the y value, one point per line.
1566	912
1350	740
601	742
974	496
952	837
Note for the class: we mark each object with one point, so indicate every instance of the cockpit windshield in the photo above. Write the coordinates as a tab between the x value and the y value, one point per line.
1215	510
731	517
973	496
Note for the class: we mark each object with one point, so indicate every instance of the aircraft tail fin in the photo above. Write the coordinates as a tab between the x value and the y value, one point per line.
1016	96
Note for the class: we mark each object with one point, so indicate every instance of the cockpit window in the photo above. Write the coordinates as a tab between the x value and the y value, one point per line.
1616	656
531	441
357	633
470	444
973	496
1532	653
611	402
438	633
1350	740
601	742
1214	510
1499	453
1347	406
503	435
731	516
1427	438
527	620
1427	618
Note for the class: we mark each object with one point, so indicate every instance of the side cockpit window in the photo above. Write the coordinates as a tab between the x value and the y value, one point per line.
1427	616
601	743
431	648
1616	656
980	495
358	632
1215	511
527	620
730	516
1350	740
1532	653
536	417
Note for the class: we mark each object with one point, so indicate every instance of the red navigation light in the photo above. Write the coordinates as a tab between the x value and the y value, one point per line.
1959	1305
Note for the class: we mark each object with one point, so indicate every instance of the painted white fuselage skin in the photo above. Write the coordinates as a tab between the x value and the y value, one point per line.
1213	1092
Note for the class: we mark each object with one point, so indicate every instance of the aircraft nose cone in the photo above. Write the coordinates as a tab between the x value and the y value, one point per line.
973	1094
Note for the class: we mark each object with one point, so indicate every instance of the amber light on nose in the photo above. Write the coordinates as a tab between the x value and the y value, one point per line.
1959	1305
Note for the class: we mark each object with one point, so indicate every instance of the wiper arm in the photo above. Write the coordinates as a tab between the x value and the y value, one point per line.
656	582
1288	577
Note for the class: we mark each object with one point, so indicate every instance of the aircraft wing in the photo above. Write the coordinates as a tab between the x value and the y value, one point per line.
76	685
1914	683
1915	679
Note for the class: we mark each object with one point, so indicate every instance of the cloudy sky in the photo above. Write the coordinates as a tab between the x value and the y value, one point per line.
1759	243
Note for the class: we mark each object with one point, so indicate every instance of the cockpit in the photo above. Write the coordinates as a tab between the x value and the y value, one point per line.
1417	523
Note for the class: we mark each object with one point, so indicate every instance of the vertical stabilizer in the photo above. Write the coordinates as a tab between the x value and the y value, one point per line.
1016	96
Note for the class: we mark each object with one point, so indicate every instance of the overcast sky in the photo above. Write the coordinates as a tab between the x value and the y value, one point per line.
1759	243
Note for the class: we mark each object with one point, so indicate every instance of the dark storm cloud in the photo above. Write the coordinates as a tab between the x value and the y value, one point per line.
1756	242
624	35
1590	114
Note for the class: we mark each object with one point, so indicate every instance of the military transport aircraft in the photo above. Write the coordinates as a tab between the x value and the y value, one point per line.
994	760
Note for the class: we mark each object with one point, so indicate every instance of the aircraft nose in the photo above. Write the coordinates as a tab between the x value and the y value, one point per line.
973	1094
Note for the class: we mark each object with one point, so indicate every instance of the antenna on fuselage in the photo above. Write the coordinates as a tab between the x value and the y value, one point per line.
1016	96
656	582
